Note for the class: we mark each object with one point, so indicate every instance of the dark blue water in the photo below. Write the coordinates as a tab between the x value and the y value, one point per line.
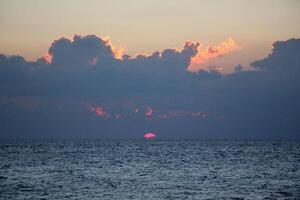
149	170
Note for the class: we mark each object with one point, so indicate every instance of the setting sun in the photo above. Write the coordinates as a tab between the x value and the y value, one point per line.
149	136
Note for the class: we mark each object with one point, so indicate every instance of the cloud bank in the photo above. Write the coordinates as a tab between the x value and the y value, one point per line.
85	87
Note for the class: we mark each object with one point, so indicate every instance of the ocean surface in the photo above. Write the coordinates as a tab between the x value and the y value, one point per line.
139	169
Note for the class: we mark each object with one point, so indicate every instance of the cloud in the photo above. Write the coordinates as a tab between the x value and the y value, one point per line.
149	112
238	68
81	51
91	61
15	65
117	51
204	56
209	74
87	86
99	111
285	55
47	58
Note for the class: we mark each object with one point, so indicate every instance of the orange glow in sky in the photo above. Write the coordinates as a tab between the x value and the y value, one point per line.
117	51
48	58
203	57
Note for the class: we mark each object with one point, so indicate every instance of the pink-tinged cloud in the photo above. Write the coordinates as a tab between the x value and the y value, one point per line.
48	58
149	136
149	111
99	111
204	56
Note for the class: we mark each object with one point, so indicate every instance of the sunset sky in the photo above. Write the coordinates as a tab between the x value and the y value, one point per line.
115	69
29	27
149	99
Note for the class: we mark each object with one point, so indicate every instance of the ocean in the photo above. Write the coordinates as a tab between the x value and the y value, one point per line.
154	169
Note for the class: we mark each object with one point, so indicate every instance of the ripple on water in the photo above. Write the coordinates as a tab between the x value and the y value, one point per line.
156	170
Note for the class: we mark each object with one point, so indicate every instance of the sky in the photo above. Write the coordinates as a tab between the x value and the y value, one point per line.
29	27
179	69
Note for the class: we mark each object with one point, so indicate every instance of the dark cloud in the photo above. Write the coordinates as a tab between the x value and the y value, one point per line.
238	68
14	68
87	65
285	55
82	88
208	74
81	52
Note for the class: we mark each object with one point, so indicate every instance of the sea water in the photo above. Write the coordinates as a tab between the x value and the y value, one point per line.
140	169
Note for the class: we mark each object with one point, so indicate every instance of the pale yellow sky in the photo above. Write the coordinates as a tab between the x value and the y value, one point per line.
28	27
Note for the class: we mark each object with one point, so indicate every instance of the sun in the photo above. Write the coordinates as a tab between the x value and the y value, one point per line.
149	136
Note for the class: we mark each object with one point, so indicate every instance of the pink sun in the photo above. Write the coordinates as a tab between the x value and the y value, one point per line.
149	136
